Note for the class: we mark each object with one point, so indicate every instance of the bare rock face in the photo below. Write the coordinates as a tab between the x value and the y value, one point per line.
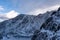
50	29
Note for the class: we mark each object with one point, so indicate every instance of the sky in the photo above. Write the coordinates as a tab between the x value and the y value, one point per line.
12	8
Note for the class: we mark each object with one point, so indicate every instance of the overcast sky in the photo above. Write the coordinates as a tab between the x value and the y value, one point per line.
32	7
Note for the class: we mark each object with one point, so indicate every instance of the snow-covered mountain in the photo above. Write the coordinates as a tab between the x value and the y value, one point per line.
23	26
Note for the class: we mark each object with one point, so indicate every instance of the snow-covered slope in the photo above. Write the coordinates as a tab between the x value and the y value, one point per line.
50	29
24	26
21	26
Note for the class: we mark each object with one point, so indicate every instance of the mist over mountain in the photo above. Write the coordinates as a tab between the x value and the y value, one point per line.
30	27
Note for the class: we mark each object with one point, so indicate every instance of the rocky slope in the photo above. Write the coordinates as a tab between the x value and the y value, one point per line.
23	27
50	29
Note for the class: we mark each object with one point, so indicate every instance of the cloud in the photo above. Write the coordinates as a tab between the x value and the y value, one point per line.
41	11
2	17
25	6
1	8
9	15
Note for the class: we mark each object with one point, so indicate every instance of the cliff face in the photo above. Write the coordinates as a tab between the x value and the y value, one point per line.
50	29
43	26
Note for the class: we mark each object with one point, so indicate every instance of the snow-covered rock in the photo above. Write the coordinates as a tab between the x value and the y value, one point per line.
23	27
20	26
50	29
